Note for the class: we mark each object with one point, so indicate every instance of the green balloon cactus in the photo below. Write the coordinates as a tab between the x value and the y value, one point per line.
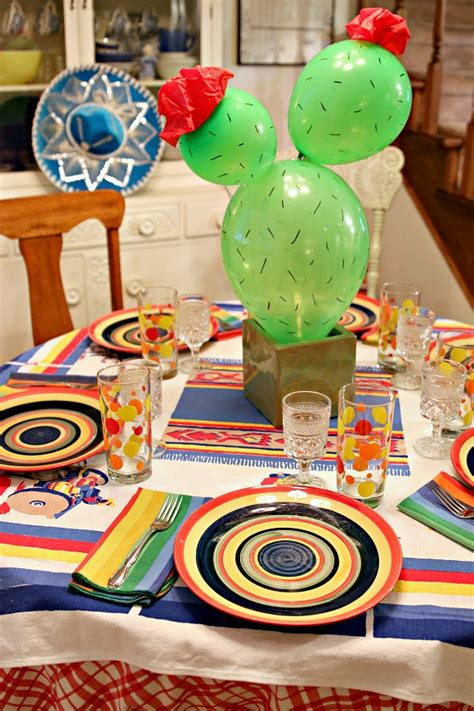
295	240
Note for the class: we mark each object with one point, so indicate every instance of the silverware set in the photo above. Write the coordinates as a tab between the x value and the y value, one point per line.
164	518
455	506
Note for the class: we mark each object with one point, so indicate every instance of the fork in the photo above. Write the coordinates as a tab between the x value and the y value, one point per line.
164	518
456	507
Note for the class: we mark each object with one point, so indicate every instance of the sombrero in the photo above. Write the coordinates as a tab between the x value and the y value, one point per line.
97	127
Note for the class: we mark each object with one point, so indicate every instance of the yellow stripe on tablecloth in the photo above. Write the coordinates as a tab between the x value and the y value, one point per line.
43	554
413	586
61	343
123	537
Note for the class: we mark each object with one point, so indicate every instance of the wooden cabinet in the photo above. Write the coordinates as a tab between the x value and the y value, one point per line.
170	233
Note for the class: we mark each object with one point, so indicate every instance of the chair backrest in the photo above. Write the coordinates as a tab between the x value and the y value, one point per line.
39	223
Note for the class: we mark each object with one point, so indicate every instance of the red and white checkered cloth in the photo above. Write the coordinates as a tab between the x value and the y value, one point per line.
117	686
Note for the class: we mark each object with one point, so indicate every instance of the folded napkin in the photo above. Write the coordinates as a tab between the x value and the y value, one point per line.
230	324
425	507
153	574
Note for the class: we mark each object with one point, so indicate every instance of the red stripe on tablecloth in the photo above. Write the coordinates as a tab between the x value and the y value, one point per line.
112	526
439	576
54	544
62	355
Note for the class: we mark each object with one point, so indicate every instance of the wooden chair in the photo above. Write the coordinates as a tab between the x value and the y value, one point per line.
39	223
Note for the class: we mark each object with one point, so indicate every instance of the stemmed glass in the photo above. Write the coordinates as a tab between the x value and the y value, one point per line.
305	425
194	322
442	385
414	329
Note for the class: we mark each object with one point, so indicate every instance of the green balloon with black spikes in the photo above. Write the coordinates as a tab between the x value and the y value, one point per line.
295	245
349	102
236	142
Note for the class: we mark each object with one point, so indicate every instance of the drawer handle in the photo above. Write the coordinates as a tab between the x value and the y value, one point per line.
73	296
134	286
146	227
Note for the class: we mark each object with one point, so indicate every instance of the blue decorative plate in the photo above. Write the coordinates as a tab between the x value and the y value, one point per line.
97	127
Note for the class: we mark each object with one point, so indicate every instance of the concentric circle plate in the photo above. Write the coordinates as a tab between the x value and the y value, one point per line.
462	456
48	428
361	314
287	555
120	331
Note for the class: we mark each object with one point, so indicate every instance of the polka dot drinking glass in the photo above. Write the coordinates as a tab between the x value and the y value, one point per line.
125	404
364	431
157	318
394	295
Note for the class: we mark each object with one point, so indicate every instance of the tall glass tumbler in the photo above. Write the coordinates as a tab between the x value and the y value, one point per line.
156	396
364	431
458	346
125	403
157	307
394	295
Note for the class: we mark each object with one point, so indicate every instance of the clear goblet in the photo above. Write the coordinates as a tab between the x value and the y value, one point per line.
305	426
442	385
414	329
194	322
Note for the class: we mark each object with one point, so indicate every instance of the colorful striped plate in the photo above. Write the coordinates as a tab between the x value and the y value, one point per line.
287	555
49	428
361	314
120	331
462	456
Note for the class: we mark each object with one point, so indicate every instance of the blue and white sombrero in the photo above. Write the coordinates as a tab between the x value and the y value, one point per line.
97	127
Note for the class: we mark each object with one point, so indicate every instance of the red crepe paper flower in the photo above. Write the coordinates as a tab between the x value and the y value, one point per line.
378	25
189	99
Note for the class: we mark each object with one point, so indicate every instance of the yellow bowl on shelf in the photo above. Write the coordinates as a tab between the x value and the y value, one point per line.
19	66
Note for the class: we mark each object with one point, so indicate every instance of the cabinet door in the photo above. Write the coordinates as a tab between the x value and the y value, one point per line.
150	39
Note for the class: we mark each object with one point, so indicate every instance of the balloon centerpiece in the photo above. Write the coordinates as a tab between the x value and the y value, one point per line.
295	240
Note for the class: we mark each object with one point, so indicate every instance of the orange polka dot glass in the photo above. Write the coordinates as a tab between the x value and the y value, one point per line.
364	430
394	295
157	307
125	404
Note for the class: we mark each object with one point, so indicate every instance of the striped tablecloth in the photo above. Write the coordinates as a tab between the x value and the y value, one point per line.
415	645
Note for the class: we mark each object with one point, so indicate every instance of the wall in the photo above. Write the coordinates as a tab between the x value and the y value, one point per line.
409	252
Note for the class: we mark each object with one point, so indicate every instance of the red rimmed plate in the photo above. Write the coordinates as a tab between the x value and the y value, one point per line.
288	556
362	314
49	428
462	456
120	331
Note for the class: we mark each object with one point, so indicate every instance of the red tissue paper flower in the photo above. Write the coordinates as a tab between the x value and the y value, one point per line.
378	25
189	99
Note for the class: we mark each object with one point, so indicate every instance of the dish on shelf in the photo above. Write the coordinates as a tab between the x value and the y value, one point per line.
49	428
288	556
19	66
120	331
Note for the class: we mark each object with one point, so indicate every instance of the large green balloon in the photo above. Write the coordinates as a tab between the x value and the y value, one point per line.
350	101
235	143
295	244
